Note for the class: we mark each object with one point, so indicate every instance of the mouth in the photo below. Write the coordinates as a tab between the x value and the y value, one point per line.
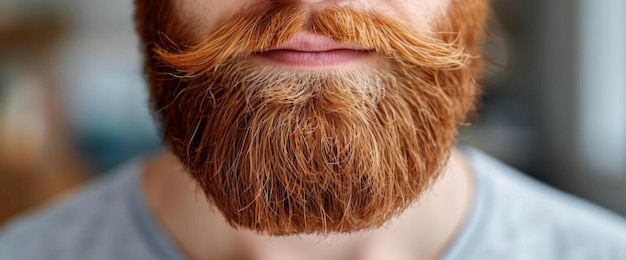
307	50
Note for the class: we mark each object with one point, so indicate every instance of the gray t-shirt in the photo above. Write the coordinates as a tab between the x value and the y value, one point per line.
513	217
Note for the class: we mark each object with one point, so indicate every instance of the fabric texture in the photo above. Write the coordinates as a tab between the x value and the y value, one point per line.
513	217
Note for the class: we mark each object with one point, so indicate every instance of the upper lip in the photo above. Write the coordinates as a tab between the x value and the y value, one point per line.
310	42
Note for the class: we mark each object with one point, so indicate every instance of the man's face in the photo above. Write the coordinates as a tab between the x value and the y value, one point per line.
312	116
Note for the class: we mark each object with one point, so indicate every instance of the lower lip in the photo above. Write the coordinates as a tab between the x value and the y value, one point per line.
324	59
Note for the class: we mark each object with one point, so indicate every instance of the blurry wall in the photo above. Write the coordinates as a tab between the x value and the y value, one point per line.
603	86
101	89
104	91
557	111
582	64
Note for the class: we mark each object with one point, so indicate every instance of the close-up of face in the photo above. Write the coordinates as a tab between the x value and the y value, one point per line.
312	116
312	129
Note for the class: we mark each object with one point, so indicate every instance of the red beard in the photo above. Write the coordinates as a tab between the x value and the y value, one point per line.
287	152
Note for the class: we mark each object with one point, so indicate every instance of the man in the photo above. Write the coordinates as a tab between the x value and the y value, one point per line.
315	130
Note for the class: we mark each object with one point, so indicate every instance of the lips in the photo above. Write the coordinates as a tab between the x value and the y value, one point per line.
310	42
309	50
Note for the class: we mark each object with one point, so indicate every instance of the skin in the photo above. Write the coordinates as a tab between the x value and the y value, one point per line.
424	231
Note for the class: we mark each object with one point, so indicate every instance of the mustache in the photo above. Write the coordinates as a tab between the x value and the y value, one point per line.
265	26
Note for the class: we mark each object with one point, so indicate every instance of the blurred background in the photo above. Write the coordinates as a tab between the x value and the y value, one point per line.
73	100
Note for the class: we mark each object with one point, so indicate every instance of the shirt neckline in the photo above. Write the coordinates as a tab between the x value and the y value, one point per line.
149	229
474	224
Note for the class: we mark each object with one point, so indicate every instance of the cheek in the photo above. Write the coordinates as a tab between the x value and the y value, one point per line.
202	15
423	14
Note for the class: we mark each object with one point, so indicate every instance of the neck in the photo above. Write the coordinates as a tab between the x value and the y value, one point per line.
423	231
